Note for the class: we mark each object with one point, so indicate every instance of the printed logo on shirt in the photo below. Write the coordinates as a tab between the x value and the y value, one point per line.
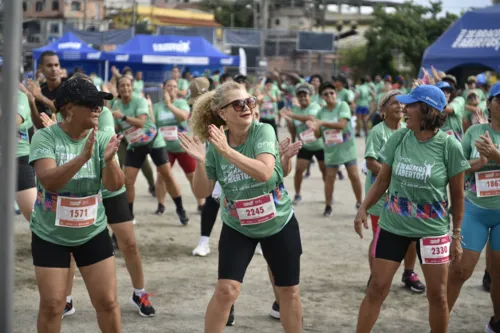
86	171
404	207
232	174
414	171
265	144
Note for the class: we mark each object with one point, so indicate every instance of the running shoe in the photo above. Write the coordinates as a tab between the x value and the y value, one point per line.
230	319
307	174
341	175
143	304
297	199
258	249
160	210
134	222
486	281
202	250
114	241
16	208
493	327
412	282
183	219
200	208
275	311
328	211
69	309
152	191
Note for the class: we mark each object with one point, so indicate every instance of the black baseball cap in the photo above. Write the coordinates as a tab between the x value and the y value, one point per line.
80	91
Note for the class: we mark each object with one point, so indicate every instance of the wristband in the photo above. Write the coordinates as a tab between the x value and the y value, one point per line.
457	230
459	237
124	118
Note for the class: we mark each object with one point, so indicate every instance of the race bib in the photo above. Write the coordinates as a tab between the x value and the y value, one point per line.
169	133
256	211
307	136
134	134
450	132
435	250
76	212
267	106
333	137
487	183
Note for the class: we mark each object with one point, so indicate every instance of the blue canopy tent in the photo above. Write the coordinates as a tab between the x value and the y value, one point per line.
471	45
156	55
73	53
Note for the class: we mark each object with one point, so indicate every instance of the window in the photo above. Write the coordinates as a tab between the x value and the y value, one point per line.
39	6
76	6
25	7
55	5
277	21
54	28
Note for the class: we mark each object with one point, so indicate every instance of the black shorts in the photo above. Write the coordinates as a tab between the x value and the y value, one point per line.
282	252
308	154
117	210
31	132
389	246
136	156
47	254
25	174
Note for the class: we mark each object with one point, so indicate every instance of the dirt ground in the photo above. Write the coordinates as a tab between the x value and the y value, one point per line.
333	277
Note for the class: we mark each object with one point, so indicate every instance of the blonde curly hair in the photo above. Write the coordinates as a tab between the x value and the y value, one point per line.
206	107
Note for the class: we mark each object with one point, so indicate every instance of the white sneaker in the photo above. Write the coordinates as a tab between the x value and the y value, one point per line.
134	222
258	249
202	250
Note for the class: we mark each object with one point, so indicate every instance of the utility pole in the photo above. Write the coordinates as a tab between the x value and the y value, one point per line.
255	14
232	13
264	9
85	6
134	16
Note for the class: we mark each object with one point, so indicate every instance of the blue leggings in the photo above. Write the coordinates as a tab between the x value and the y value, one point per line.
479	224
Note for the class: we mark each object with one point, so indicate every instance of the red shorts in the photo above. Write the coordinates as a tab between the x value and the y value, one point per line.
187	163
374	220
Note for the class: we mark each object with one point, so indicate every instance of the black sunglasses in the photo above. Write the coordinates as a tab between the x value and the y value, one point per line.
239	104
93	106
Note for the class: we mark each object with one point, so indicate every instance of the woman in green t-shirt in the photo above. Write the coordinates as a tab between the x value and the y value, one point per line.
255	205
482	205
454	111
418	164
72	161
267	99
476	111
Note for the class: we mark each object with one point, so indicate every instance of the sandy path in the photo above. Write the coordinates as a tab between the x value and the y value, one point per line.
334	275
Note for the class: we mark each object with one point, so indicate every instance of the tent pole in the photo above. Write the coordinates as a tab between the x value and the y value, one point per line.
106	71
12	18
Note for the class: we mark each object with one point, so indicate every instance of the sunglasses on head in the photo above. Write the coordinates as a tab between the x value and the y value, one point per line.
329	93
239	104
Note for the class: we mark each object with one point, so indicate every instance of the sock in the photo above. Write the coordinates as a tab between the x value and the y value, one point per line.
131	207
68	299
178	203
161	208
408	271
204	239
139	292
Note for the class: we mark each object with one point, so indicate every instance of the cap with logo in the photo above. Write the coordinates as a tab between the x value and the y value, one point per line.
304	87
80	91
494	91
428	94
197	87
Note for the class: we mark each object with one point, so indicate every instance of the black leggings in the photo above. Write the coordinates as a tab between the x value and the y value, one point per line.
209	215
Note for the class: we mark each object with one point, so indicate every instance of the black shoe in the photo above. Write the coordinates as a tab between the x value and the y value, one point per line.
328	211
275	311
230	319
486	281
412	282
114	241
200	208
183	219
341	175
160	210
143	305
152	191
493	327
69	309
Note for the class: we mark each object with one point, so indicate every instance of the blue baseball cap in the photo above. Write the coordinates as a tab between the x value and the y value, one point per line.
196	74
428	94
494	91
444	85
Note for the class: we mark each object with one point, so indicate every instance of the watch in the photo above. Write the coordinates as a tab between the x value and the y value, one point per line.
124	118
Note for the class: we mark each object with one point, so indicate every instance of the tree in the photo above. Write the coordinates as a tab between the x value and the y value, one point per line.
407	31
495	2
242	9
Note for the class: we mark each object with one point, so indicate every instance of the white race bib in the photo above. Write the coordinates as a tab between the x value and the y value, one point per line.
267	106
257	210
134	134
487	183
76	212
333	137
307	136
435	250
169	133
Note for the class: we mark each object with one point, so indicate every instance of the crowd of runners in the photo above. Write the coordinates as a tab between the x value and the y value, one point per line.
432	159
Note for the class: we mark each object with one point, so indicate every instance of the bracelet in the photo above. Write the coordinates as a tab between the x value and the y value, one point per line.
459	237
457	230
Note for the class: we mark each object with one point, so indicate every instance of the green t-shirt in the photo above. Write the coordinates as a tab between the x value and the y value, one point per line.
468	114
480	94
471	153
311	110
168	126
316	98
52	142
339	145
453	120
215	78
237	185
97	82
137	137
364	92
268	108
345	95
377	137
138	87
23	110
379	87
417	202
182	84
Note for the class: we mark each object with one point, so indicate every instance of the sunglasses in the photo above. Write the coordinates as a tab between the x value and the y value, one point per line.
329	93
239	104
93	106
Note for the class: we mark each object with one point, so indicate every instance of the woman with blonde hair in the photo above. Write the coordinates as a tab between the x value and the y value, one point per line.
255	204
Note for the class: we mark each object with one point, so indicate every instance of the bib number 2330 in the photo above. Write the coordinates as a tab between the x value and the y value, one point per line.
435	250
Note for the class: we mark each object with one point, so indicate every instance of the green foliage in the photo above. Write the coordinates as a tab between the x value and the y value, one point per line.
495	2
243	12
407	31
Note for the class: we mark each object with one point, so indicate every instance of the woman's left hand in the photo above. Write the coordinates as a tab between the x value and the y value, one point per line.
218	139
456	250
117	115
112	148
288	150
485	146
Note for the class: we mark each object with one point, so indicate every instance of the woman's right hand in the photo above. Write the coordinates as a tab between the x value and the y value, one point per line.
193	146
361	221
46	120
88	150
